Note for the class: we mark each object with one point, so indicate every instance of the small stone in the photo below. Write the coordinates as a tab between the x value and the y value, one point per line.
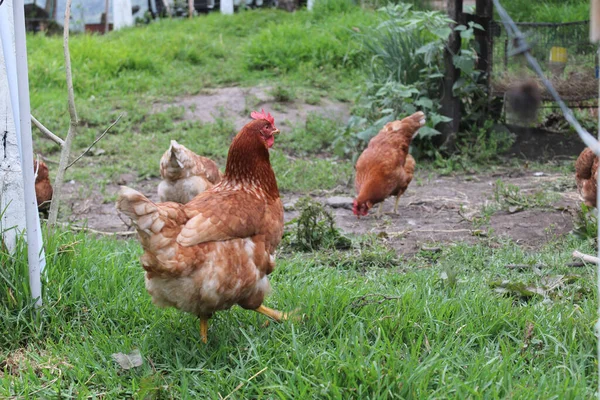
340	202
290	206
124	179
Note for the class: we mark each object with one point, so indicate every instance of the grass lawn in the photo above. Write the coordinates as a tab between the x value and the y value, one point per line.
442	331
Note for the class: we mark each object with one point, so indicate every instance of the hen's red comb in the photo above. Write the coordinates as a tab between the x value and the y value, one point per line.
262	115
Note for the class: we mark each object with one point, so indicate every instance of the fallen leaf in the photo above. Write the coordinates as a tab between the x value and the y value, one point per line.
128	361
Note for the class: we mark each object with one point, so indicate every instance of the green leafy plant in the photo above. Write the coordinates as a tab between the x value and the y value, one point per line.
585	224
282	93
315	228
405	75
476	147
510	197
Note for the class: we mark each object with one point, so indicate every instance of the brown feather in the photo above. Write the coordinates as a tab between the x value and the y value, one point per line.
43	188
586	176
185	174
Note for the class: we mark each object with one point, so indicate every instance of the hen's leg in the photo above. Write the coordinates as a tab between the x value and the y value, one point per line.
396	204
378	215
204	329
269	312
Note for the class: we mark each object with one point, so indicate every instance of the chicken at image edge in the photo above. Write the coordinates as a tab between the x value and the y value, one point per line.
586	175
217	250
43	188
185	174
385	168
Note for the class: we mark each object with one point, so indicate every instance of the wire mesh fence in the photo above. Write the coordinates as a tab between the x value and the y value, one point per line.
565	53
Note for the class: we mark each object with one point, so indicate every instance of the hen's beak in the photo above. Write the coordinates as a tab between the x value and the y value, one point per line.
275	132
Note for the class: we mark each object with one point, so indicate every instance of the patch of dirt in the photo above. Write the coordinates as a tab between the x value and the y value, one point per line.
235	104
541	144
27	358
433	210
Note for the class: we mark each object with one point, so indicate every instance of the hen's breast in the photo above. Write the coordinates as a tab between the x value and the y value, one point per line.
221	275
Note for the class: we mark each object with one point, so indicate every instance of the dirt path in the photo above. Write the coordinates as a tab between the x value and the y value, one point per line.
428	212
235	104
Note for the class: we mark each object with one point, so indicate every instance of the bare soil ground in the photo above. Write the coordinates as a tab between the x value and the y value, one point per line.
236	103
435	209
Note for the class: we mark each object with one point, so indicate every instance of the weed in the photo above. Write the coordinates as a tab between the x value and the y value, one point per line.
510	198
585	224
313	99
315	136
315	228
282	93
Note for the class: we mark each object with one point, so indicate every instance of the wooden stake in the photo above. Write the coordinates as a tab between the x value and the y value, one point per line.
66	148
585	257
595	21
106	16
450	103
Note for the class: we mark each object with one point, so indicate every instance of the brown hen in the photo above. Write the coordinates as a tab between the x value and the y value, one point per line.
43	188
217	250
185	174
385	168
586	175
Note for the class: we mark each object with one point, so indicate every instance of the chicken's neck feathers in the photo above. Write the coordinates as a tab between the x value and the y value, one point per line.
249	167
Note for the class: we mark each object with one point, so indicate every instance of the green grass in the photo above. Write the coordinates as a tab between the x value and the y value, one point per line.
444	332
304	56
548	10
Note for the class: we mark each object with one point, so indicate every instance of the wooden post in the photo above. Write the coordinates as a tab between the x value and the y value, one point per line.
483	16
106	4
450	103
595	21
190	8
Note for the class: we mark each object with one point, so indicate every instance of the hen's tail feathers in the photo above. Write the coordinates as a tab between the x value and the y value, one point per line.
173	161
584	164
409	126
417	120
146	216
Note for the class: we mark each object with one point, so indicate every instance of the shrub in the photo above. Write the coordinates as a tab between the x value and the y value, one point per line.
405	74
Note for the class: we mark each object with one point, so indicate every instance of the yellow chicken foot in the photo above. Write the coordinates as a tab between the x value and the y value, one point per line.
396	204
378	215
204	329
269	312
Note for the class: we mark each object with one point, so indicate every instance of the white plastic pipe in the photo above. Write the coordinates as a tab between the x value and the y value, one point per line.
22	111
122	16
226	7
12	205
